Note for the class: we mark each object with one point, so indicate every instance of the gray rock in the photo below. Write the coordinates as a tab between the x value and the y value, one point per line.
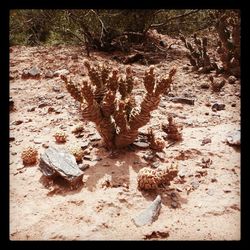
234	139
140	144
61	72
84	145
60	96
231	79
31	73
55	162
49	74
38	140
150	214
218	106
195	184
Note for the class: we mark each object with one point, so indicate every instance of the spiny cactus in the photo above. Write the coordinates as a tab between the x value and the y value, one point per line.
107	100
198	55
151	178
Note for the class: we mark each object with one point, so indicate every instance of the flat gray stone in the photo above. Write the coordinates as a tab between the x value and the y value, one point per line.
150	214
60	163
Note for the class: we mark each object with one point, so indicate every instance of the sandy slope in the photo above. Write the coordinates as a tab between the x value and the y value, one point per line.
208	198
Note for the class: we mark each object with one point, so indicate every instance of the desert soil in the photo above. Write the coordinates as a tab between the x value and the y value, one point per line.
202	202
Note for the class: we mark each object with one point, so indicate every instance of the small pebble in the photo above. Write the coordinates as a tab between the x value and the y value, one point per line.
174	204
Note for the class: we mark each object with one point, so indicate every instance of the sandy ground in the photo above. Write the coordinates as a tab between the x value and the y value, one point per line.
207	197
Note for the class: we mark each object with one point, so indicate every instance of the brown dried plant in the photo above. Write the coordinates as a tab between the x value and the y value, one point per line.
172	129
227	24
107	100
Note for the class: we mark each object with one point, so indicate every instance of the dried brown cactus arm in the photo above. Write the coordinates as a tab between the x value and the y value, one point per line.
121	118
149	80
107	131
108	104
164	85
72	89
89	107
98	76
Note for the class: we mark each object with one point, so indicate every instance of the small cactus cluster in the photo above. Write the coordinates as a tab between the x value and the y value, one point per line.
149	179
227	24
60	136
155	144
173	131
107	100
29	156
77	152
198	55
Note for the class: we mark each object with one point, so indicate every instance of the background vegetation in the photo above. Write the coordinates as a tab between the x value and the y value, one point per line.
99	28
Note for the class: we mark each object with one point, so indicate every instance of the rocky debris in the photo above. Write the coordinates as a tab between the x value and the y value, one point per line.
38	140
45	145
156	234
150	214
18	122
234	139
141	144
33	73
84	166
61	72
174	204
232	79
95	137
217	84
49	74
11	104
133	58
84	145
60	96
55	162
204	85
31	109
182	100
12	139
206	162
218	106
43	104
206	141
195	184
56	89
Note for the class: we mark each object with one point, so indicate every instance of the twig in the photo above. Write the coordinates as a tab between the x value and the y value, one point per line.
170	144
173	18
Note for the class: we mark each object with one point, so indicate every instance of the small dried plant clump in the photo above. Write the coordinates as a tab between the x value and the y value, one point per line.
60	136
77	152
155	144
107	100
29	156
217	84
149	179
228	28
198	55
172	129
